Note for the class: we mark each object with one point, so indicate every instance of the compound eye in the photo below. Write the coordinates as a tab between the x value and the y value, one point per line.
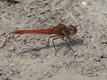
72	29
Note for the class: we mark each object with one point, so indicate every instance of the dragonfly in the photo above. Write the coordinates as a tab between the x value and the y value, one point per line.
60	31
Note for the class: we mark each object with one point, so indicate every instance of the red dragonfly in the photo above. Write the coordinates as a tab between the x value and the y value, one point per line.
60	31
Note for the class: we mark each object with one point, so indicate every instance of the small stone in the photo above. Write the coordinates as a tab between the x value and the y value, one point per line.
2	42
75	54
48	56
11	49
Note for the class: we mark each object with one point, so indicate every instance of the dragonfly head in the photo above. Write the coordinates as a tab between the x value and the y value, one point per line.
72	29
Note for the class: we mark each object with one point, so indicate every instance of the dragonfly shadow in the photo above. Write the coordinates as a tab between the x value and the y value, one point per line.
73	43
77	42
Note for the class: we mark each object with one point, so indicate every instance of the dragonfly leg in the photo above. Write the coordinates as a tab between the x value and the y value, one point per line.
66	38
69	39
54	43
50	38
66	41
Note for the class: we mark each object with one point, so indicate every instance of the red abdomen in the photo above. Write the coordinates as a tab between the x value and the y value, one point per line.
40	31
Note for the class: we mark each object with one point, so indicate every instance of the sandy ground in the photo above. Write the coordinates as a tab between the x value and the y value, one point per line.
27	57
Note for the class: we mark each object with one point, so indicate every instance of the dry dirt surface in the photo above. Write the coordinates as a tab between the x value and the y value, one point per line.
27	56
